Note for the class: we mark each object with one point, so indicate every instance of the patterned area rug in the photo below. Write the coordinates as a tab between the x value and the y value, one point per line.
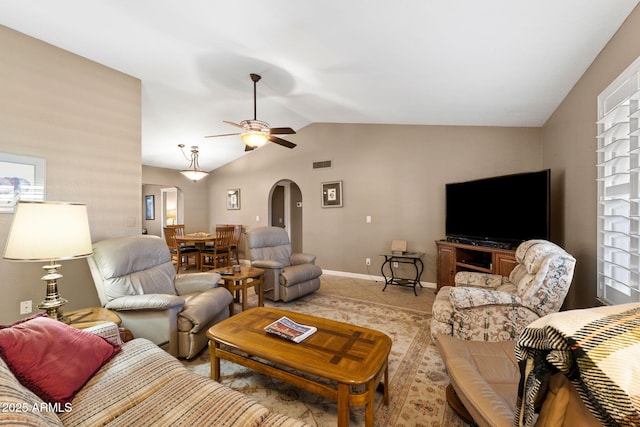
417	377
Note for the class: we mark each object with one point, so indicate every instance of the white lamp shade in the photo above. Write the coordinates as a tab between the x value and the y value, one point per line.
254	138
45	231
194	174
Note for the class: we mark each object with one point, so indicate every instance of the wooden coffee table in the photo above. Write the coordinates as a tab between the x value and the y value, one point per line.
247	277
353	358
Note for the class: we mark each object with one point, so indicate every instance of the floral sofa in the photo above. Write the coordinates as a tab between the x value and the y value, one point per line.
54	375
490	307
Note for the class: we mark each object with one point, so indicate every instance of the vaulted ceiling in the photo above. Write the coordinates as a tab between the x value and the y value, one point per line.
464	62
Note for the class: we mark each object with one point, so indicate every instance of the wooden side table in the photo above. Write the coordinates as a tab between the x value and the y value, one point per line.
92	316
247	277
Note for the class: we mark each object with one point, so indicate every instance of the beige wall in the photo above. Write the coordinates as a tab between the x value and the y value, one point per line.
194	195
84	119
570	149
395	174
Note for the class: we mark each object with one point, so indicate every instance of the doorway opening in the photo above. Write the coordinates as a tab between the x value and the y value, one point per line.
168	208
285	210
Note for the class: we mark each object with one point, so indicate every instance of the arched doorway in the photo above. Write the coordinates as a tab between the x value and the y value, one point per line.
285	210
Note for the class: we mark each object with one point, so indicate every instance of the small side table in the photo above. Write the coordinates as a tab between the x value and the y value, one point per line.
92	316
246	278
404	258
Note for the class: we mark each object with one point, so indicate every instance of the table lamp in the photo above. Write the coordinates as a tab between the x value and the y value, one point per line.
49	232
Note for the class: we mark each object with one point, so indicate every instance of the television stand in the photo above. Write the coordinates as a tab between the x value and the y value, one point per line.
454	257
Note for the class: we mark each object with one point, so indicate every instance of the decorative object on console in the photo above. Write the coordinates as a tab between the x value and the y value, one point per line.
332	194
49	232
398	247
193	172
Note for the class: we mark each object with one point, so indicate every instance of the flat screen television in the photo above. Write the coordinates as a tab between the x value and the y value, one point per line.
501	211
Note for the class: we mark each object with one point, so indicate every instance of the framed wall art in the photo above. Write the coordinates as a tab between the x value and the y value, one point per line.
21	178
332	194
233	198
149	207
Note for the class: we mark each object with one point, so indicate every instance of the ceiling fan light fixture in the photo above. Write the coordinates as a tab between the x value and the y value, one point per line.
254	138
194	173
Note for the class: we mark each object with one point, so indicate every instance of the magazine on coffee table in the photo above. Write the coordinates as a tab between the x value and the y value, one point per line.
290	330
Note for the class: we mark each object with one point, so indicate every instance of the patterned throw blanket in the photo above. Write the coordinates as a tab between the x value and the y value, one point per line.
598	349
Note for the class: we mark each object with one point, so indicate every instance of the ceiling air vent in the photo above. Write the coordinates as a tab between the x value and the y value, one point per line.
322	164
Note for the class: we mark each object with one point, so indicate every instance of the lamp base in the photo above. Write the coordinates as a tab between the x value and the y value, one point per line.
52	301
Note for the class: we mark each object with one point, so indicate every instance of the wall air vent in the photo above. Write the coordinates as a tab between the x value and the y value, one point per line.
322	164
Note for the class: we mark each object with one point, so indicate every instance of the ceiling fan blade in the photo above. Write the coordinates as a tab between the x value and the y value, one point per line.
281	131
224	134
248	148
233	124
281	141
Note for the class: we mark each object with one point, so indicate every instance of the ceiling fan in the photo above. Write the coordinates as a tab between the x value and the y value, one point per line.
256	132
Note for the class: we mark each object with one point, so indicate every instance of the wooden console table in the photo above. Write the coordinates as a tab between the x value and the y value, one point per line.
455	257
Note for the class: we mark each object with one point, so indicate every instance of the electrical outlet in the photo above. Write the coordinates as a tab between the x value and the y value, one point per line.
367	261
395	265
25	307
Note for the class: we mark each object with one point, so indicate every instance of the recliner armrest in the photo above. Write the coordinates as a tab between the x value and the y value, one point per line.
465	297
299	273
302	259
266	263
477	279
196	282
146	302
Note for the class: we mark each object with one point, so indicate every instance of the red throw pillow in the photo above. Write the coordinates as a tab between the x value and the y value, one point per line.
52	359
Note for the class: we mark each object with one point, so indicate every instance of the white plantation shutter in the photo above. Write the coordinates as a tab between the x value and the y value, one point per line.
618	165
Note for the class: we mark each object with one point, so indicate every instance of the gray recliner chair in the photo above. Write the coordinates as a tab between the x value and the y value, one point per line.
287	276
135	277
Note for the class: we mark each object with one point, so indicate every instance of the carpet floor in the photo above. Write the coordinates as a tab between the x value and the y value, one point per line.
417	377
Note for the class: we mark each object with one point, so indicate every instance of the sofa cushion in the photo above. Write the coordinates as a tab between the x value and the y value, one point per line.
20	407
144	385
52	359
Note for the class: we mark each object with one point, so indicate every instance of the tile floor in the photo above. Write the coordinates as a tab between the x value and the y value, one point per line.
371	290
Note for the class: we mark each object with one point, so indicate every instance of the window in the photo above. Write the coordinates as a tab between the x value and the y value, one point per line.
618	165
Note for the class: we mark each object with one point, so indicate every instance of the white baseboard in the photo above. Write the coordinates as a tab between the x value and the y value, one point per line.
369	277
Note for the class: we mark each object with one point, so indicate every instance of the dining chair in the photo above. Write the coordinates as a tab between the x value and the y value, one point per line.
235	241
180	254
218	255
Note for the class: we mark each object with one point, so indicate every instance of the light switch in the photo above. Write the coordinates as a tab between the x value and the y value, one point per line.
368	218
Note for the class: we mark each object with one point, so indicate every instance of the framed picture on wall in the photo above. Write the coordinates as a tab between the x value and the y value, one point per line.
233	198
332	194
21	178
149	207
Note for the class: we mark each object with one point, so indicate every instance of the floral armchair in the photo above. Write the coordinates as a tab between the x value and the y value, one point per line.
488	307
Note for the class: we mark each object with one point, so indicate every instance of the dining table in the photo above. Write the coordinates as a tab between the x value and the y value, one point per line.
197	239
